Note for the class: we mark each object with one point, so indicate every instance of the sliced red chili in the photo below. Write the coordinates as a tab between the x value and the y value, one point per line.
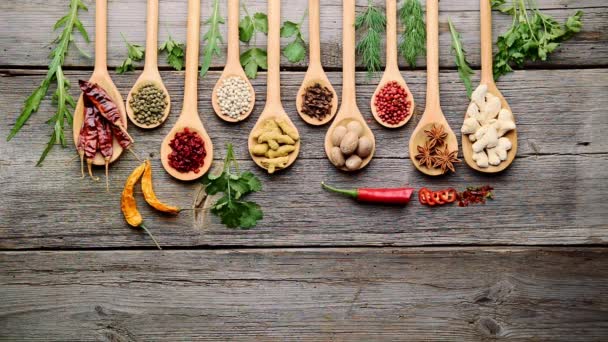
448	195
422	195
437	198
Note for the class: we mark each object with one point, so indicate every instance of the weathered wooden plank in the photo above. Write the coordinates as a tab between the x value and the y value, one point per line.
443	294
587	48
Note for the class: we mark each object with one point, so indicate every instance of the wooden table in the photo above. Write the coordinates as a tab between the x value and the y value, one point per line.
530	265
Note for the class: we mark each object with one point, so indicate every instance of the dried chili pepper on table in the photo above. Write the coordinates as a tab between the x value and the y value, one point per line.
150	196
128	204
105	142
376	195
474	195
104	103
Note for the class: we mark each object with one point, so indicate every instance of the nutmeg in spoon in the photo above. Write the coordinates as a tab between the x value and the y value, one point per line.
392	72
189	118
101	77
315	73
150	75
233	69
432	113
274	109
349	112
487	78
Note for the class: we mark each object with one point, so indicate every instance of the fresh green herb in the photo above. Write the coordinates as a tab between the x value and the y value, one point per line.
532	36
296	50
413	38
372	23
464	69
61	98
230	208
254	58
213	37
135	53
175	53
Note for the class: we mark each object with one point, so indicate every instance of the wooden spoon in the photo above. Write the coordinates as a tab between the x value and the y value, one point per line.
189	117
274	108
233	64
315	73
150	73
349	111
487	78
392	73
101	77
432	113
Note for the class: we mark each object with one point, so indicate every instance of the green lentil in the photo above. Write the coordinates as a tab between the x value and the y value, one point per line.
148	104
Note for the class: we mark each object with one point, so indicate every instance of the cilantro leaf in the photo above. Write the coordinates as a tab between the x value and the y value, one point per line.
135	53
175	53
289	29
295	51
260	21
252	60
246	29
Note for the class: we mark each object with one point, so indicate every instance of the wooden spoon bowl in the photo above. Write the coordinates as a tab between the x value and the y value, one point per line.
101	77
189	117
274	108
432	113
392	72
487	78
349	110
315	73
233	66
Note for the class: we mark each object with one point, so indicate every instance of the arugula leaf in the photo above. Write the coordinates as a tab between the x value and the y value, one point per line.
413	38
135	53
372	23
61	97
232	211
252	60
464	69
213	37
175	53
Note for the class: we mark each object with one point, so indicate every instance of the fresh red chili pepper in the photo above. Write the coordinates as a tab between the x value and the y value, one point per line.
376	195
103	102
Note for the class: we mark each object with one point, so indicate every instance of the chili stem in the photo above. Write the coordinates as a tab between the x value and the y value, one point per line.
107	177
130	149
151	236
352	193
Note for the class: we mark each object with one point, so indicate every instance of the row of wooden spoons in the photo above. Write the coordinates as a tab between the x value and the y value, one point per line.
189	117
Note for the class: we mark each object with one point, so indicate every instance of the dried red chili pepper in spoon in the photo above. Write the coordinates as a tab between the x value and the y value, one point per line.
103	102
90	140
376	195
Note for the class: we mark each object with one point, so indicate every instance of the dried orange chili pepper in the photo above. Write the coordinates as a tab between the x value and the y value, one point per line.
128	204
150	196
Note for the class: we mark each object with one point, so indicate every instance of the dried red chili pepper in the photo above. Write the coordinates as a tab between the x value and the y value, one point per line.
103	102
89	131
105	139
378	195
475	195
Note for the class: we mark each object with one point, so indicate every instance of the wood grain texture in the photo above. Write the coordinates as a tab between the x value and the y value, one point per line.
562	202
30	47
462	294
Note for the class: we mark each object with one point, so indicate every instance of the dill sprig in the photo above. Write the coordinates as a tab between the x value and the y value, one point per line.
464	69
61	98
413	38
372	23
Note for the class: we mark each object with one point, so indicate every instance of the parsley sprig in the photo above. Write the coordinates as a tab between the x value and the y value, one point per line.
175	53
230	208
296	50
532	36
464	69
372	23
254	58
213	37
61	97
135	53
413	37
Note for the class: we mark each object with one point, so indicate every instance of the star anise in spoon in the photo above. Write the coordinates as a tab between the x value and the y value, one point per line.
436	135
445	160
425	155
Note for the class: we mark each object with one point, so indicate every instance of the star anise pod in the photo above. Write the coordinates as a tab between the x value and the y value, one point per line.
425	155
436	135
444	159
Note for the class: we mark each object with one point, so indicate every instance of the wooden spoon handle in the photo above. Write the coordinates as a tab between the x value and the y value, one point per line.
391	35
432	56
273	92
314	32
101	41
192	41
487	75
152	35
348	52
233	32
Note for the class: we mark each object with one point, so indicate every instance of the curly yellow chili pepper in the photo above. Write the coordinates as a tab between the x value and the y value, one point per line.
150	196
128	204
